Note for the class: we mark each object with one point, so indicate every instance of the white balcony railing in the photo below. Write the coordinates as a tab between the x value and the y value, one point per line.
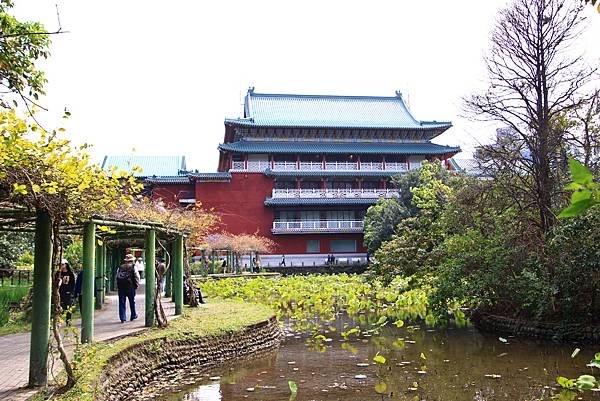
308	166
341	166
371	166
238	166
395	166
258	165
285	166
335	193
320	166
317	226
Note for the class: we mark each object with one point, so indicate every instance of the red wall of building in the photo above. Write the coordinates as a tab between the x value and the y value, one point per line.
296	243
169	193
241	202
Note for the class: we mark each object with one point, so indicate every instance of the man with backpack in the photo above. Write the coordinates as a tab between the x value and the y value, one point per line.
128	280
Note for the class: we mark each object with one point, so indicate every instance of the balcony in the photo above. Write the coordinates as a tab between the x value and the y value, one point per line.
260	166
317	226
335	193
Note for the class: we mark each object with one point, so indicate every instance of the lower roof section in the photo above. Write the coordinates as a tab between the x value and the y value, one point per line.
421	148
318	202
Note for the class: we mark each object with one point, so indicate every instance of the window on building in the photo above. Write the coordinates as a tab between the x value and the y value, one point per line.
286	215
285	184
340	184
310	185
313	246
370	184
342	245
310	215
345	215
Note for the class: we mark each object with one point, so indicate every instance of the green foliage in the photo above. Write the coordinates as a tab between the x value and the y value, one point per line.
74	253
381	221
9	297
302	298
417	233
12	246
574	251
586	193
41	172
25	261
22	44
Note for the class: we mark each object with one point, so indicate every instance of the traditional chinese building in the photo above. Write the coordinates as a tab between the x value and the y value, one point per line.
303	169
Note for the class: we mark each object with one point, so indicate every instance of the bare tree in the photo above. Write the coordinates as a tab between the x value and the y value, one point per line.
533	79
583	130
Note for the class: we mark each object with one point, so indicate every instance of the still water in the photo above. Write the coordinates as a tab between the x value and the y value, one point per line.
455	364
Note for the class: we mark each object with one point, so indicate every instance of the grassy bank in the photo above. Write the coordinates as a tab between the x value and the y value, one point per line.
213	319
11	320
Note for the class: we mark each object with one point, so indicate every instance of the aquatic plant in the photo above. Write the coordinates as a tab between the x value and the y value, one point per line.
312	302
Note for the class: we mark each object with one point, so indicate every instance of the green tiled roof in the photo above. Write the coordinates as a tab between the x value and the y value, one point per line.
288	110
309	201
219	176
329	173
304	147
151	165
176	179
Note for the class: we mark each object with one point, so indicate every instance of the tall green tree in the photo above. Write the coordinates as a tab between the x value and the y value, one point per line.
22	45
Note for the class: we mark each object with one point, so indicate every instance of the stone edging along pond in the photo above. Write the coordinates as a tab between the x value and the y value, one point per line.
541	330
140	371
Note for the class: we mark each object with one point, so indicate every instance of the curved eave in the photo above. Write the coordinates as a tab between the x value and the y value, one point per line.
312	147
211	177
168	180
318	202
424	125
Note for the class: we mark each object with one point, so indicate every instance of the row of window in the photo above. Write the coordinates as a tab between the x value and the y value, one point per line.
336	245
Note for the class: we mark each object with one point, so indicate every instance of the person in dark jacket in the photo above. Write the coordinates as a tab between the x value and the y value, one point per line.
65	280
79	288
128	280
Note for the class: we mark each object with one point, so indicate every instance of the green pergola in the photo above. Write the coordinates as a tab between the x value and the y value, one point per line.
97	257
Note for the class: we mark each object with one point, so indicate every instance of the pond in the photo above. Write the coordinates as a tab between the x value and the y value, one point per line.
421	363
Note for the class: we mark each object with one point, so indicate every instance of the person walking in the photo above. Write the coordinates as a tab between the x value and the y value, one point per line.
65	281
128	280
282	263
77	294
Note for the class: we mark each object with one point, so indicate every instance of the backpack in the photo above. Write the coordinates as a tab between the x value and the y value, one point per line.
125	278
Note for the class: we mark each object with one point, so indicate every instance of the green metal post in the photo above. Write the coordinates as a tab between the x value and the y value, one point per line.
98	285
104	271
40	319
178	274
108	269
168	281
150	276
87	310
169	274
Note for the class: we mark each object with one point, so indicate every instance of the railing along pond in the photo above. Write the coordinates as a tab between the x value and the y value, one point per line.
15	277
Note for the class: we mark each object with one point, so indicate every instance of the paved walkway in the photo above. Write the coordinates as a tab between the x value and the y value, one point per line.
14	348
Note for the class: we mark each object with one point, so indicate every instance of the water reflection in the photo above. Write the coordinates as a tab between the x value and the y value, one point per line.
207	392
458	364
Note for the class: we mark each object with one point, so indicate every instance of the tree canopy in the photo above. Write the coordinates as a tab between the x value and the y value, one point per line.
22	44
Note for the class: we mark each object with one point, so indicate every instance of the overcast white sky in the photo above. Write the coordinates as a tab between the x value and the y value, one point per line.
156	77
